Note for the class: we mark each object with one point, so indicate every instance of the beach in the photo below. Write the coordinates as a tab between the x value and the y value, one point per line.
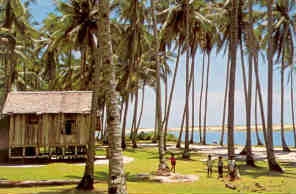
218	128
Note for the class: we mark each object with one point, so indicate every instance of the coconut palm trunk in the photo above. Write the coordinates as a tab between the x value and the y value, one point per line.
140	117
186	148
192	99
87	182
232	76
206	101
244	151
123	142
162	164
259	142
273	165
200	99
167	115
185	120
178	145
116	180
292	106
225	103
284	144
133	134
249	154
184	113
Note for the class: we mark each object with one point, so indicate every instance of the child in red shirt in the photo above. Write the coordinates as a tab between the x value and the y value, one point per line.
173	162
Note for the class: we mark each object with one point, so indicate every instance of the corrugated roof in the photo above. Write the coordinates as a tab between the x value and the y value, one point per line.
48	102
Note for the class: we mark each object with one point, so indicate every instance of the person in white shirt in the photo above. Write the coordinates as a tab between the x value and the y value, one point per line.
231	168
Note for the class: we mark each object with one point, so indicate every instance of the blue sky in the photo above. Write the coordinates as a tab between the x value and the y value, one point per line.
216	86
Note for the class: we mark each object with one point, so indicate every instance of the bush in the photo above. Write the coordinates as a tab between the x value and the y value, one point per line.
171	137
145	136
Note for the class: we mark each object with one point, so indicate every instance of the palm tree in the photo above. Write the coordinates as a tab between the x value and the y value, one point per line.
259	142
14	26
116	181
186	153
273	165
201	97
167	114
79	25
249	37
192	100
123	143
292	104
232	76
209	38
283	34
162	164
206	101
225	103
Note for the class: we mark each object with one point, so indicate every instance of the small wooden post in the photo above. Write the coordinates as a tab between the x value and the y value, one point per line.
76	152
24	151
37	151
63	152
9	153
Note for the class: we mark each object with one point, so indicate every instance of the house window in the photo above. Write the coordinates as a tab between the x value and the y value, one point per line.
69	125
32	119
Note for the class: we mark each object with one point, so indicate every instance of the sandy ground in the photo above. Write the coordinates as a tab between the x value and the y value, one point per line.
218	128
214	150
100	160
217	150
259	152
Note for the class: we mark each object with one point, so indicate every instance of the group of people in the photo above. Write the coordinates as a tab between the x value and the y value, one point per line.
233	170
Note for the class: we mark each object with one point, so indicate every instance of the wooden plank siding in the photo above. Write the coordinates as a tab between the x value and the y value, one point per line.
48	131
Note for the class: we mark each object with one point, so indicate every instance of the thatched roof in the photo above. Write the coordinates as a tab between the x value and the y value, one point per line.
48	102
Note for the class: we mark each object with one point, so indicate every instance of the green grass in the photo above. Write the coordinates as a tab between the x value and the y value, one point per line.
146	161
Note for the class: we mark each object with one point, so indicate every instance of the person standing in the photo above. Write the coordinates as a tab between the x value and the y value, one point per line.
231	168
220	167
173	162
210	165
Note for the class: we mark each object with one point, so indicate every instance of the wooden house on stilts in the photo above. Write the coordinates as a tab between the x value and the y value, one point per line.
48	124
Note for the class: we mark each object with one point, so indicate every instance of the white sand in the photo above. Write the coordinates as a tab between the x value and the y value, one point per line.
100	160
259	152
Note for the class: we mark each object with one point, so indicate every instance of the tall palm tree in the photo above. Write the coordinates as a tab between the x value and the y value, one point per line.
123	143
161	151
249	37
206	100
209	39
225	103
259	142
283	35
273	165
14	26
116	181
167	114
232	75
200	98
292	103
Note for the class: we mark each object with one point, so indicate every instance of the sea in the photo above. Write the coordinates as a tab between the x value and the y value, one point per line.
213	137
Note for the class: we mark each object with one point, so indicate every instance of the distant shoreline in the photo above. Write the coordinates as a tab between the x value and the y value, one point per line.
218	128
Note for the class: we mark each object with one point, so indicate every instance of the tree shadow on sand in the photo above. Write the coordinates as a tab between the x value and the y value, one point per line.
71	191
257	171
103	177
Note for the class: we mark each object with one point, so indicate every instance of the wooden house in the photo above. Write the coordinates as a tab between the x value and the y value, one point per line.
48	124
4	126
